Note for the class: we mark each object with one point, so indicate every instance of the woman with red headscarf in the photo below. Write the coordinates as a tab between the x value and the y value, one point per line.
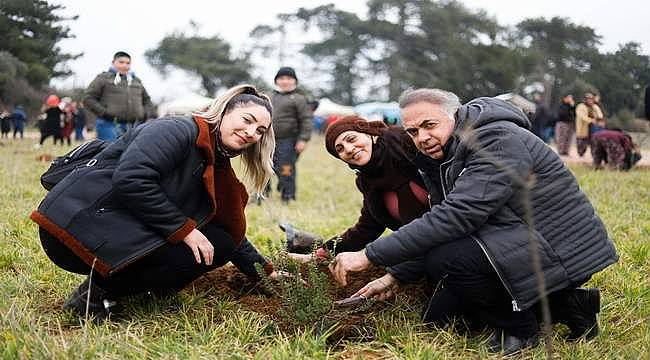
53	119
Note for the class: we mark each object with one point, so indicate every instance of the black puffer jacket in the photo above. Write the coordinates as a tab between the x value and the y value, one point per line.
154	185
481	178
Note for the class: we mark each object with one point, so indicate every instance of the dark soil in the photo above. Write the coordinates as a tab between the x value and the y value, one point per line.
350	322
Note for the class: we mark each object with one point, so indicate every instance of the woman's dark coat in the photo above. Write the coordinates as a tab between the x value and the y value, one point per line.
154	185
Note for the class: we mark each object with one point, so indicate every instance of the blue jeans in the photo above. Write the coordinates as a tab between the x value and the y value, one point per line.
284	164
105	129
548	134
79	133
110	131
19	128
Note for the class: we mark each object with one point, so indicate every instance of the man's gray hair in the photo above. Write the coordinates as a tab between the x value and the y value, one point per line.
448	100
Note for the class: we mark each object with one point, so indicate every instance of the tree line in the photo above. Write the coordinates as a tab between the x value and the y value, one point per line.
396	45
420	43
29	53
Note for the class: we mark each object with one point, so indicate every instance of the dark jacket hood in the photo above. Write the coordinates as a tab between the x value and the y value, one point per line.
485	110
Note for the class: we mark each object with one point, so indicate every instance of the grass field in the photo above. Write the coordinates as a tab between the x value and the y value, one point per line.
206	324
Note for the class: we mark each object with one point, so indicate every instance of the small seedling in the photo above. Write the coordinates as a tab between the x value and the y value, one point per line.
303	301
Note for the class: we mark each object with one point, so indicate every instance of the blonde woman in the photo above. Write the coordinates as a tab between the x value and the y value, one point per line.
162	205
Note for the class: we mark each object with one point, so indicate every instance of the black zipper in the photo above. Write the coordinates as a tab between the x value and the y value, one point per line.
515	305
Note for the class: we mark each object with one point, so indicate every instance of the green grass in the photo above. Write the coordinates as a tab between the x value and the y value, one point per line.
195	325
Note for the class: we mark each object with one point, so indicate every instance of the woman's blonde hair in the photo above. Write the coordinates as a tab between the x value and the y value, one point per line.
257	158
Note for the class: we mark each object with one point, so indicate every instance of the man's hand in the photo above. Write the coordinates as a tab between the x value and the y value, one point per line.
381	289
346	262
300	146
200	245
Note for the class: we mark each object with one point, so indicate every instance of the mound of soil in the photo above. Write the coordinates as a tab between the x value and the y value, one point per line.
349	323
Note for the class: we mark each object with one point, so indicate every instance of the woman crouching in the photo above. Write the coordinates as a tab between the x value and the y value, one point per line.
162	205
393	193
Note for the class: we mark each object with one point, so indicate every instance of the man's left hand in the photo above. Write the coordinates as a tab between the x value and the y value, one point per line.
346	262
300	146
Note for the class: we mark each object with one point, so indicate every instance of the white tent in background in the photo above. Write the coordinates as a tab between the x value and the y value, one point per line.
527	106
379	111
327	107
184	105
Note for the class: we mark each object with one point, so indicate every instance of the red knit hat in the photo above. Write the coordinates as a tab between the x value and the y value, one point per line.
52	100
351	123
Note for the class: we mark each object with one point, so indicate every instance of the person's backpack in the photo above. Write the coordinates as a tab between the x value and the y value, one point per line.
82	155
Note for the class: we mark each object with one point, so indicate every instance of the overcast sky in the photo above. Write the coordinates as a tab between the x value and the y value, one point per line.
105	27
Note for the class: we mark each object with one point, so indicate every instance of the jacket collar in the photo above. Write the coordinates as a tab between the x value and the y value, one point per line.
205	141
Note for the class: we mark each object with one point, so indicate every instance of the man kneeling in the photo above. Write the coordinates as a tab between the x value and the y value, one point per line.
503	190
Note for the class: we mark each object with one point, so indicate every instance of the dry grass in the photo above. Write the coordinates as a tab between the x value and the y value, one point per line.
198	325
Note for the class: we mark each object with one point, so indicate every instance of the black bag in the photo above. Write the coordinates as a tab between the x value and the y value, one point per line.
82	155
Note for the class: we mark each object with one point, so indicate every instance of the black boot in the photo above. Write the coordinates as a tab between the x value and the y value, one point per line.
502	342
579	313
97	304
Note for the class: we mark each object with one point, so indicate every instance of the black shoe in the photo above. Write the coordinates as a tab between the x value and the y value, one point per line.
502	342
581	308
286	200
97	304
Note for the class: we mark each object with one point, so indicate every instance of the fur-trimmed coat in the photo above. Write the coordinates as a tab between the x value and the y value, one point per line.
154	185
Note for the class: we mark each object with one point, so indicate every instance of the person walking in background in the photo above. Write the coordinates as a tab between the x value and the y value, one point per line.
599	103
18	118
118	98
292	123
5	124
79	121
542	120
68	109
565	125
587	114
54	117
647	102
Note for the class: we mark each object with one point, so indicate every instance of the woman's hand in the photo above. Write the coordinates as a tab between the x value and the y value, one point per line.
320	255
381	289
200	246
301	258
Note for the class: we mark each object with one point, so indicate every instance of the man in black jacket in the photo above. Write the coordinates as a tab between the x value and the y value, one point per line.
502	189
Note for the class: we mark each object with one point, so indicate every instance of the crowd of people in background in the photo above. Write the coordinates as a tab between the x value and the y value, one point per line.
59	118
586	122
15	120
119	101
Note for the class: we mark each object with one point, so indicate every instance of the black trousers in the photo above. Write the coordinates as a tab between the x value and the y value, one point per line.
167	269
469	288
47	133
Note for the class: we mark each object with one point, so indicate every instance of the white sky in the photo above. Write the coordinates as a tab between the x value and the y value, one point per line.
105	27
